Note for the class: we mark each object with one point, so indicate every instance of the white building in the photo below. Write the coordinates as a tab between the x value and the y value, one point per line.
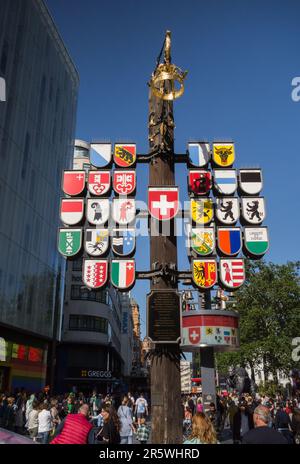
186	375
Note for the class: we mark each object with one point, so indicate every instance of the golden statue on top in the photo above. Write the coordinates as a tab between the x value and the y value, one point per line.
167	71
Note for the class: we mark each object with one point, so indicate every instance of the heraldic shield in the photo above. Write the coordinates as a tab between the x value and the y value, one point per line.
98	211
123	241
199	154
163	202
225	181
69	241
223	154
194	335
95	272
253	210
100	154
123	210
96	241
204	272
227	210
122	273
125	154
200	181
250	181
229	240
71	210
124	182
203	240
73	183
232	273
256	241
202	210
99	182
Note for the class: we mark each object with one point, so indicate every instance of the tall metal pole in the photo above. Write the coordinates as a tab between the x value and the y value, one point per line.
165	368
207	362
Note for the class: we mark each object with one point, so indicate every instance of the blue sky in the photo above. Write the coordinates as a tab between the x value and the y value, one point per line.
241	56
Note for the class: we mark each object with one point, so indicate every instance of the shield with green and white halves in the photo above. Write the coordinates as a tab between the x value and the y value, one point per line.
69	241
256	241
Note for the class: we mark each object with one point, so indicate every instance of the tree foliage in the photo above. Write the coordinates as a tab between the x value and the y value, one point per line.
269	308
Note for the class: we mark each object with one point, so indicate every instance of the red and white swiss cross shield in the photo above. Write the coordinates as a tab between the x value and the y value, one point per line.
124	182
194	335
99	182
163	202
73	182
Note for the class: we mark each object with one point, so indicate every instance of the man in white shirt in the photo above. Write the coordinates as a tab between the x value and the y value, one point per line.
45	424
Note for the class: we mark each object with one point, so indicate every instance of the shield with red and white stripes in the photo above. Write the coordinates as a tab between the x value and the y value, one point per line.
232	272
71	210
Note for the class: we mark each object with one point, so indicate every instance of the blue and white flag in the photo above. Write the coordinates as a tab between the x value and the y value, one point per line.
199	153
100	154
123	241
225	181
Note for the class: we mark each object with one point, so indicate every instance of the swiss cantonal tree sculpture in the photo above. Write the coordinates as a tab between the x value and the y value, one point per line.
226	214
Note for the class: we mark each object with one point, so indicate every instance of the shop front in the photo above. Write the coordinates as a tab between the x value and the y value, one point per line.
23	364
87	379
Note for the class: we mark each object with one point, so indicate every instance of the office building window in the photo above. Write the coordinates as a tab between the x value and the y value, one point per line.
81	152
78	292
77	265
40	109
25	156
4	57
32	186
88	323
1	196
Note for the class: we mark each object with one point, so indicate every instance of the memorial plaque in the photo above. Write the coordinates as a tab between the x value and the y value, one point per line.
163	316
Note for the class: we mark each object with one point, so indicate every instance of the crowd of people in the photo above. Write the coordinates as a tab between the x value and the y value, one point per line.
251	420
114	419
76	418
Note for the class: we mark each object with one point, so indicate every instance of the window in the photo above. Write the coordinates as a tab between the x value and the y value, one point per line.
40	109
81	152
1	196
88	323
51	89
32	186
78	292
25	156
4	57
77	265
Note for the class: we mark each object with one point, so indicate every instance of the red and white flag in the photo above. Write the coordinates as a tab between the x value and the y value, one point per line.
71	210
99	182
194	335
124	182
95	272
232	272
163	202
73	182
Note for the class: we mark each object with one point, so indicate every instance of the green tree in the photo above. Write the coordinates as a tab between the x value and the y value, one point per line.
269	308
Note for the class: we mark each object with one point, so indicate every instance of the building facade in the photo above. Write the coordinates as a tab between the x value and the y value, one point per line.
137	344
37	123
186	376
97	331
